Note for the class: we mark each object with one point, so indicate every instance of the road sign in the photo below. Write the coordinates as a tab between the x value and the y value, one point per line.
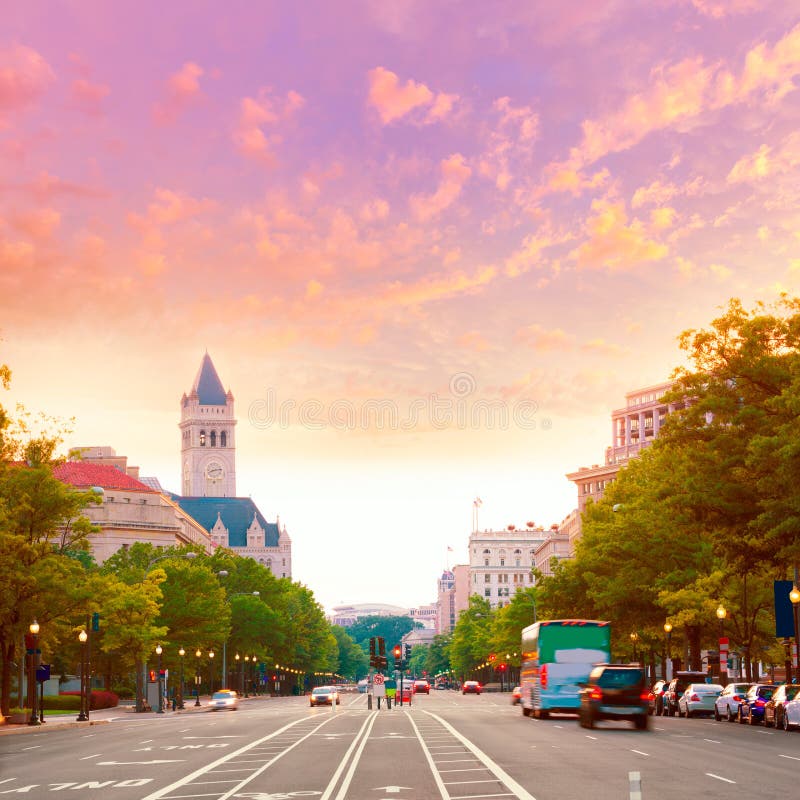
377	678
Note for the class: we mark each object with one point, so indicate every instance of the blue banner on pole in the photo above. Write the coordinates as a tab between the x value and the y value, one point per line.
784	616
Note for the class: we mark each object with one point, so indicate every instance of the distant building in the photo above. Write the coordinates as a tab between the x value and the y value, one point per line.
347	615
500	562
426	615
130	511
208	470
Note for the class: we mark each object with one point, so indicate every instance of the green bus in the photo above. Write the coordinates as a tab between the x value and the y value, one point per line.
557	656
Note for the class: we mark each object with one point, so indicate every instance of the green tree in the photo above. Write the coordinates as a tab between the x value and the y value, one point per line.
472	636
352	660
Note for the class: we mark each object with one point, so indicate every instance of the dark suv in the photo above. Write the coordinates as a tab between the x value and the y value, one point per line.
615	691
676	688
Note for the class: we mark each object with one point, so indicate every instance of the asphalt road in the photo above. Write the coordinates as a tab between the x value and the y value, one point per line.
444	746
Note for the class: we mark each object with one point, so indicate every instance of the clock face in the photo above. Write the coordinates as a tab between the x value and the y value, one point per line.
214	471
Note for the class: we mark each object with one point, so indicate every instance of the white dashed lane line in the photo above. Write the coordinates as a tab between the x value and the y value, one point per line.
719	777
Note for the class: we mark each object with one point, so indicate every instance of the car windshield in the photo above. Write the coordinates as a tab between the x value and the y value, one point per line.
616	678
765	692
322	690
791	692
222	696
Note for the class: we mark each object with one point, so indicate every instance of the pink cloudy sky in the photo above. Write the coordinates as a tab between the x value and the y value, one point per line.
515	203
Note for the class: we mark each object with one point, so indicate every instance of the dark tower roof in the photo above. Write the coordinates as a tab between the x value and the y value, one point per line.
208	385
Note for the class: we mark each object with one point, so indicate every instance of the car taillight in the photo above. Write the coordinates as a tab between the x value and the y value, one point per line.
595	693
737	698
694	699
646	696
760	702
543	676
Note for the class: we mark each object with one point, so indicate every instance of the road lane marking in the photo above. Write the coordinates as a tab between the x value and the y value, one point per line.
516	788
640	753
719	777
594	738
86	758
794	758
32	747
363	734
466	769
713	741
470	796
635	785
228	757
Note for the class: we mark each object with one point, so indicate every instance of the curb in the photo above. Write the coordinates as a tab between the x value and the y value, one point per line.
12	728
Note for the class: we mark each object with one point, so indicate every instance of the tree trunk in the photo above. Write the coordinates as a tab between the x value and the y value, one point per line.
139	667
6	655
693	635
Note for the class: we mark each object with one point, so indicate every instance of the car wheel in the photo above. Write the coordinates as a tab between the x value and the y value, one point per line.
731	715
717	717
526	712
785	722
751	720
641	722
740	716
768	723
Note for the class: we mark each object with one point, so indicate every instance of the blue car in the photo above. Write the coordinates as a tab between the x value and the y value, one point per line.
751	709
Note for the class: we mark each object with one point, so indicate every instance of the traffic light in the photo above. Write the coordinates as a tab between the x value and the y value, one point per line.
372	653
381	648
398	651
407	651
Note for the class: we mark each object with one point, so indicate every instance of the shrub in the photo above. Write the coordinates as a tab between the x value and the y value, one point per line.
99	698
62	702
123	691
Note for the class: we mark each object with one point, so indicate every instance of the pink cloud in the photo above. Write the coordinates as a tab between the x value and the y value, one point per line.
181	90
541	339
530	254
659	193
393	100
474	341
255	114
455	173
39	224
510	142
717	9
613	244
767	161
88	97
24	77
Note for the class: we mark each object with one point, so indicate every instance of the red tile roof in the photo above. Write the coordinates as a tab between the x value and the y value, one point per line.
80	474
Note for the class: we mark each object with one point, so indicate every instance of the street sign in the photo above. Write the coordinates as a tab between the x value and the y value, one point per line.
377	678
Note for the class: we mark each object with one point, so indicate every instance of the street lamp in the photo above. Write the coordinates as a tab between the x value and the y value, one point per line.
198	678
723	645
634	640
211	672
668	631
181	653
794	596
246	676
33	663
159	651
84	713
223	574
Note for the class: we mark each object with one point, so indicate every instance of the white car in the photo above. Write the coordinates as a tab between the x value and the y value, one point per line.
791	713
226	699
698	698
726	706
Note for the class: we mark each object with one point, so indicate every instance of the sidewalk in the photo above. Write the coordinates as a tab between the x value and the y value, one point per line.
106	715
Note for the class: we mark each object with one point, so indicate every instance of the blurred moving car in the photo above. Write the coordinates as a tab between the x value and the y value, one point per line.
471	687
407	691
727	704
698	698
516	696
656	698
615	691
676	688
324	696
422	687
791	713
775	707
363	685
223	700
751	709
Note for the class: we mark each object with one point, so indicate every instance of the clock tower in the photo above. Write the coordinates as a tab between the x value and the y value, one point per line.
208	443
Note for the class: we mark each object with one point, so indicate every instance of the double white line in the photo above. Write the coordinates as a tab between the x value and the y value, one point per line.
357	745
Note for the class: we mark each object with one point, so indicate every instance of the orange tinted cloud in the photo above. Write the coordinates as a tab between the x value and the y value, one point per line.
38	224
181	90
542	339
88	97
24	77
767	161
255	114
614	244
455	173
394	100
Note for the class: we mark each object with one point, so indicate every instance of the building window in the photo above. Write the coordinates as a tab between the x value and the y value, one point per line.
485	562
202	438
517	563
502	562
487	592
213	438
223	439
487	578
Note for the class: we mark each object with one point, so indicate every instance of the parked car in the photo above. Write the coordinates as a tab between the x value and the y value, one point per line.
471	687
751	709
224	700
774	709
727	704
676	688
656	698
791	713
614	691
698	698
516	696
422	687
408	690
324	696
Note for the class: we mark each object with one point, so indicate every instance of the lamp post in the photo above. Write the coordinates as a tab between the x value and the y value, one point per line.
239	680
246	669
181	653
33	663
253	668
84	713
634	640
159	651
223	574
668	665
211	672
794	596
198	654
723	645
